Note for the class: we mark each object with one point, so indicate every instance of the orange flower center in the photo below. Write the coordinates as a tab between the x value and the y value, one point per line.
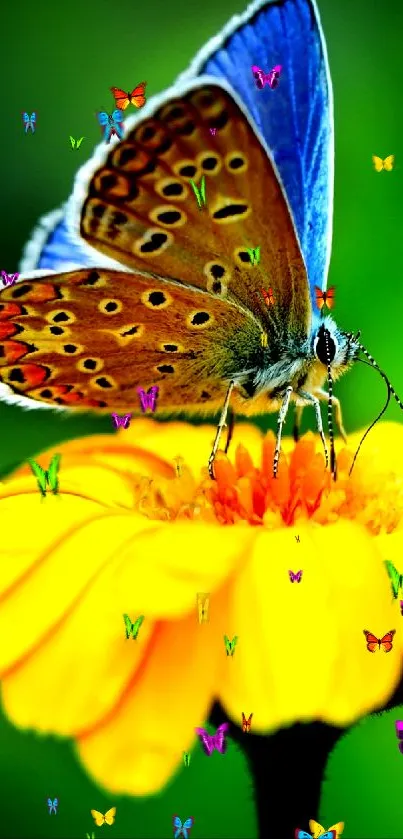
303	489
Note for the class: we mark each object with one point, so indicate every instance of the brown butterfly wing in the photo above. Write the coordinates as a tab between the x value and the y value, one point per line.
372	641
142	212
387	641
88	339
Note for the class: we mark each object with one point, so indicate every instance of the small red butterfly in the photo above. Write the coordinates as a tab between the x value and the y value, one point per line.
325	298
268	296
373	642
246	723
136	97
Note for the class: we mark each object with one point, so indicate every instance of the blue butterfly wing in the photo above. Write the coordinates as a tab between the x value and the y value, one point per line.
25	117
177	822
117	115
295	120
50	803
33	117
302	834
103	118
51	247
55	802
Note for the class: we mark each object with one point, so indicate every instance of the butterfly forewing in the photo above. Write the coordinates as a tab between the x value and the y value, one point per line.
141	209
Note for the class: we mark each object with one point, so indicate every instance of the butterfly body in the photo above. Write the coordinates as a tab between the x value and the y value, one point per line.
383	165
111	124
246	723
373	642
295	578
182	829
29	121
211	742
121	422
100	818
53	805
132	629
136	97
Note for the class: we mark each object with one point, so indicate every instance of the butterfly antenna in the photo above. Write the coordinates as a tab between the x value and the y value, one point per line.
333	467
381	413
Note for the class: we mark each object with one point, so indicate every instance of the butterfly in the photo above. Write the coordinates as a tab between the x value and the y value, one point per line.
101	819
230	645
302	834
121	422
186	758
386	642
203	605
9	279
200	192
75	144
295	578
272	78
111	124
47	477
319	831
136	97
325	298
148	400
53	805
133	628
297	538
29	121
213	131
182	829
246	723
386	164
213	741
396	579
268	296
90	837
254	254
401	607
185	311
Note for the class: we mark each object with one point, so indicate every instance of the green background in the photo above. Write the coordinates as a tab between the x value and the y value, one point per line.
61	60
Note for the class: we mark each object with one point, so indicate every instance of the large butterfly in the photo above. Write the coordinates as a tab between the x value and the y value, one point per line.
136	97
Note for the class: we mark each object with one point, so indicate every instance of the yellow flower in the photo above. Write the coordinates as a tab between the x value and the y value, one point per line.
136	531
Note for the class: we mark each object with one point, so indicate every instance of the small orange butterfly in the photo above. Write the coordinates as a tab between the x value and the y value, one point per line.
325	298
246	723
373	642
136	97
268	296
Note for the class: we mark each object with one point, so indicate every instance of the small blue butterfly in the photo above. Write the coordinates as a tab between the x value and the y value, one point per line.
29	121
111	124
182	829
53	805
302	834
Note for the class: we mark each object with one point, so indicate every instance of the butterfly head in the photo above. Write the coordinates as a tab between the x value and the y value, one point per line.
334	349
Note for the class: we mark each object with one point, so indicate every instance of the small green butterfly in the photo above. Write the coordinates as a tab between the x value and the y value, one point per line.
200	193
254	254
132	628
47	477
75	144
90	837
396	579
186	758
230	645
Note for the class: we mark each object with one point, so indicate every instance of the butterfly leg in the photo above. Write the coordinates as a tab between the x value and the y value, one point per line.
316	404
220	426
322	394
280	422
230	426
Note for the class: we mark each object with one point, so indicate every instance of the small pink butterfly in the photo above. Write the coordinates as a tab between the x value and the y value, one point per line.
213	741
9	279
401	607
295	578
149	399
121	422
261	78
213	131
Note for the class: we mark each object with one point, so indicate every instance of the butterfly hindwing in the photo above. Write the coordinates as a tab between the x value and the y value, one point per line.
297	122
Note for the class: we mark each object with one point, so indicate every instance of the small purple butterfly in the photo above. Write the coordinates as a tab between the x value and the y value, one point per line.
9	279
272	78
295	578
148	400
213	741
121	422
401	607
213	131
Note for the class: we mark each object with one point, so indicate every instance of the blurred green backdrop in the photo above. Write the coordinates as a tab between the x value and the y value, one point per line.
61	60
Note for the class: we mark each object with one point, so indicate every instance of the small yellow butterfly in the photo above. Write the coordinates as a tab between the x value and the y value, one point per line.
101	819
386	164
317	830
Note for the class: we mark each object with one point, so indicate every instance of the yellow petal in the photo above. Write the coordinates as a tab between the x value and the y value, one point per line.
301	652
137	749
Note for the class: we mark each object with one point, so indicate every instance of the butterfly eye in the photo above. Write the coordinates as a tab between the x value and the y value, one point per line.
325	346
